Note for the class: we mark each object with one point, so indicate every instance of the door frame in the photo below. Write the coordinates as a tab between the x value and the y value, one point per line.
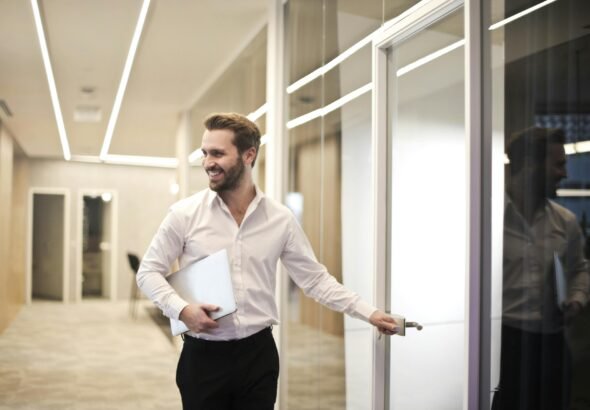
65	192
407	24
82	192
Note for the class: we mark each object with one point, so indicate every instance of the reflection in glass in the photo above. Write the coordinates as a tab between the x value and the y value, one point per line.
540	281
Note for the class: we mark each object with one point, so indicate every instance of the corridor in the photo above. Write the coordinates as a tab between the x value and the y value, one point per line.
86	356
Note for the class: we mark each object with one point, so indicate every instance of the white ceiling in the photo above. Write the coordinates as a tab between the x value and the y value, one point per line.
184	46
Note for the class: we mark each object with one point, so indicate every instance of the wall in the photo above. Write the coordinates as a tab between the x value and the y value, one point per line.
143	198
13	182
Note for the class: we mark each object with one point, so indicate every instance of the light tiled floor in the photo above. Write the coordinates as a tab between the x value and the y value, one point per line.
92	356
86	356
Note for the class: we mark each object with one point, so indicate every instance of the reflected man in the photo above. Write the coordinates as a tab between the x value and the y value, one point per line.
543	248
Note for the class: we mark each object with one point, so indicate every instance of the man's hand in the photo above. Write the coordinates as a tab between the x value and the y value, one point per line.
572	309
385	323
196	317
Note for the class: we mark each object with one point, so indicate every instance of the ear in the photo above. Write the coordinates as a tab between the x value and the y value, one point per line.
249	155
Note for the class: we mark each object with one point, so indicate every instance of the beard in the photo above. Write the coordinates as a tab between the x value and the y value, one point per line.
232	177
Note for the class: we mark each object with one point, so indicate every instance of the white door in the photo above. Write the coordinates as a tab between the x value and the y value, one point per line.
420	114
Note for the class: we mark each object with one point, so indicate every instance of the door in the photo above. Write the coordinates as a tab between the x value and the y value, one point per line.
97	236
420	88
48	251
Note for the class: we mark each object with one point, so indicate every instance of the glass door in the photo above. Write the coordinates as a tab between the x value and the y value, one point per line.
421	84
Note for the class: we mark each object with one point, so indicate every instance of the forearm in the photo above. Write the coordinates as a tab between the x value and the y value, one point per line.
155	286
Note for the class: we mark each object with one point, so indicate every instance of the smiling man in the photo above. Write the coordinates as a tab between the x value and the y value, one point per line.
233	363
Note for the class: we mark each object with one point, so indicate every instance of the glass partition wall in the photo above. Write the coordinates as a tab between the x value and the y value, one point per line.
329	356
241	88
540	104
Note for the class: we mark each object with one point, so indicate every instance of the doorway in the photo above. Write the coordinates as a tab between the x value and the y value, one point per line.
96	258
419	89
48	252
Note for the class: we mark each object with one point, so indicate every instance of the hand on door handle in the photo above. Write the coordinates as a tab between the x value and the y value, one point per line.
402	324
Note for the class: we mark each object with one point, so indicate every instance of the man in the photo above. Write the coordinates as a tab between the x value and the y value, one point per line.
543	245
232	363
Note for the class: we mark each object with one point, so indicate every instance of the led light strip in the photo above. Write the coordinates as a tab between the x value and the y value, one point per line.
51	81
254	115
124	79
573	192
327	67
321	112
577	147
427	59
521	14
137	160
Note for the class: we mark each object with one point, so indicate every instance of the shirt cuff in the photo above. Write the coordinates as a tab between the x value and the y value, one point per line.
363	310
578	296
175	306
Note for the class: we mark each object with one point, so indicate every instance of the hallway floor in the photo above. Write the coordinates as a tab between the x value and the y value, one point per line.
86	356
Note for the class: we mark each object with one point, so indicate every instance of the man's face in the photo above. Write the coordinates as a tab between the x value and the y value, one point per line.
221	160
555	169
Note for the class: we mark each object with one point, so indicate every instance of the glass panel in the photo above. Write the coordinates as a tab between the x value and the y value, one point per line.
352	73
240	88
393	8
428	217
540	73
347	22
304	336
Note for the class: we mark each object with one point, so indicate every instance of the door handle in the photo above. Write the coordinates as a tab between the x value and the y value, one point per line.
403	325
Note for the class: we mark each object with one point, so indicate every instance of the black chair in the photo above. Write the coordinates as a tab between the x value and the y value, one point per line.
134	264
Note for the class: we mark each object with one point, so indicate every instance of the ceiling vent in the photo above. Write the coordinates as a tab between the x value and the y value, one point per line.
87	113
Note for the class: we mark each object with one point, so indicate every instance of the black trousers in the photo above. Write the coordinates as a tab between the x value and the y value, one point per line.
238	374
535	371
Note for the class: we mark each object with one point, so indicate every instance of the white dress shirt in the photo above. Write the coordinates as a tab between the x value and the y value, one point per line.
202	224
529	299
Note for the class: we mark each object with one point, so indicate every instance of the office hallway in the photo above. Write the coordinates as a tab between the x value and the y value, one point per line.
86	356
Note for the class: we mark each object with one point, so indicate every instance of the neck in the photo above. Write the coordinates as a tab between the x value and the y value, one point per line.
241	196
526	201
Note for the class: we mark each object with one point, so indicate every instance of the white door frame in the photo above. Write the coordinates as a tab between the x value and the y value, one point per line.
65	192
114	235
407	24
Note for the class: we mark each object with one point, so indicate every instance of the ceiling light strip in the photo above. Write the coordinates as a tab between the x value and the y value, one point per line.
254	115
165	162
321	112
430	57
327	67
136	160
51	81
573	192
521	14
124	79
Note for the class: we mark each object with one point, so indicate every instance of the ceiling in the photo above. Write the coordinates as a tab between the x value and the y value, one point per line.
184	48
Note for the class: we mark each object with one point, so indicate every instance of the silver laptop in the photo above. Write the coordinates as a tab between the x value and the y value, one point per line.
205	281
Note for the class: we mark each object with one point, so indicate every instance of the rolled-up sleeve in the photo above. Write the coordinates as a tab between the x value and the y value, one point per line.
315	281
166	246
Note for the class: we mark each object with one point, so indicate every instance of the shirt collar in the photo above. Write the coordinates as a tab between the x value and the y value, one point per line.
212	196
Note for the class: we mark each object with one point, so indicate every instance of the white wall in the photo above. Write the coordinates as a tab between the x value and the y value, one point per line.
143	200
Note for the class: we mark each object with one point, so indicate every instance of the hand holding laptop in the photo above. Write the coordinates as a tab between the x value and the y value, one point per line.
196	317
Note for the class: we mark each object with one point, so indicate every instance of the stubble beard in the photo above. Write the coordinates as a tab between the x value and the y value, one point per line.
232	179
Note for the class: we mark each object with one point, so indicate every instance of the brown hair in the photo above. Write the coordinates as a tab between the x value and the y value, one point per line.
531	145
246	133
